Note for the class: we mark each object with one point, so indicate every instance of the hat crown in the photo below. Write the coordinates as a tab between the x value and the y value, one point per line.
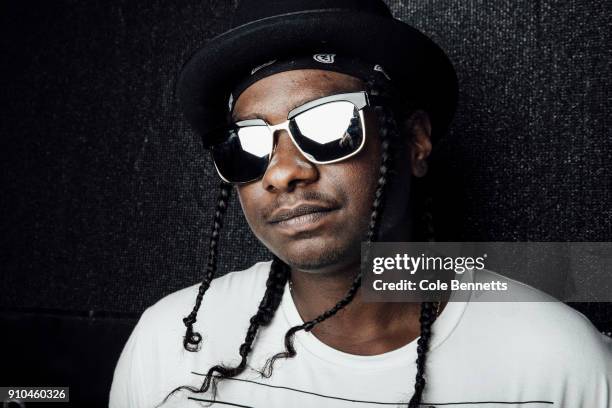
253	10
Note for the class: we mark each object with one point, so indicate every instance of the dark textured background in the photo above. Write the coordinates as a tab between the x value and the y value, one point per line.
106	194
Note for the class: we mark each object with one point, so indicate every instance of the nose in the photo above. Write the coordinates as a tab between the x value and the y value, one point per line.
288	167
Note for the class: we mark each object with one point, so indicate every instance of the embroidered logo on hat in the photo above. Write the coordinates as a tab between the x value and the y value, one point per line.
324	58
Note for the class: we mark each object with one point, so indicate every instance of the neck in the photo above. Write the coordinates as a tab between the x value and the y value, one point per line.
364	328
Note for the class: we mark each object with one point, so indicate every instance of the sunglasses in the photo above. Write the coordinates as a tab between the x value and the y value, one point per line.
326	130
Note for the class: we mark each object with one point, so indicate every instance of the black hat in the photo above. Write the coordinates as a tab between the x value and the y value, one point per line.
264	30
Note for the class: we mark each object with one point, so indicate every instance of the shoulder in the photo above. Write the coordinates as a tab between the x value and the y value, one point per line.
153	360
225	309
542	327
240	289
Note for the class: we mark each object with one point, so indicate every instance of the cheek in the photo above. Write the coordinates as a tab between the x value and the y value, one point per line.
248	198
358	178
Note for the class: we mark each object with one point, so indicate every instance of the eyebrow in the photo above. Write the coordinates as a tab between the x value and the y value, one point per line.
258	115
253	115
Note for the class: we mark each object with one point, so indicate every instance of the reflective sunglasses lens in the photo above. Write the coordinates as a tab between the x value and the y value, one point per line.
328	132
243	156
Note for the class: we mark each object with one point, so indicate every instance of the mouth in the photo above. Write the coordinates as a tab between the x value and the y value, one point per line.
301	217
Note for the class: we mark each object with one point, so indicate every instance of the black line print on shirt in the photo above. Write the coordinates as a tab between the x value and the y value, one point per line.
219	402
423	404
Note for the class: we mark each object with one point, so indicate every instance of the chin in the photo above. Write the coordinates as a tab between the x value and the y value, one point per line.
318	256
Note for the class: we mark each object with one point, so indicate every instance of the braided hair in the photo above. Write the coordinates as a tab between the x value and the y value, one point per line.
279	275
275	288
192	340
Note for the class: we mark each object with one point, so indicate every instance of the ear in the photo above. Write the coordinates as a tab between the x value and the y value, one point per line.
418	126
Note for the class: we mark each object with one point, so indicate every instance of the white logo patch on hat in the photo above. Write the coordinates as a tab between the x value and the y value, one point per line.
324	58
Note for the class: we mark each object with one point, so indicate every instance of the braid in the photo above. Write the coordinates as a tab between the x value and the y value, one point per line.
275	287
388	131
192	340
428	317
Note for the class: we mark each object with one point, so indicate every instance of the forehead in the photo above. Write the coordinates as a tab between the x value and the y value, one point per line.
272	98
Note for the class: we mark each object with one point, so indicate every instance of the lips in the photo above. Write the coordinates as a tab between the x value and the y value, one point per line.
302	213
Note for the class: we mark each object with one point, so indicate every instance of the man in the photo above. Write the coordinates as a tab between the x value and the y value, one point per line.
320	114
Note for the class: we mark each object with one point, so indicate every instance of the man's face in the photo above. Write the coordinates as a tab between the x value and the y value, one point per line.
312	216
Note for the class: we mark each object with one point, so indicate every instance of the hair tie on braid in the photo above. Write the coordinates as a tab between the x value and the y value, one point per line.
192	340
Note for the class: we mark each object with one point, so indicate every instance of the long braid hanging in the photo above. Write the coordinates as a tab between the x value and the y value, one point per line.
429	310
428	317
192	340
275	288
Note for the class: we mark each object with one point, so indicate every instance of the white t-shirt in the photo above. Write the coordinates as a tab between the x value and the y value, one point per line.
491	354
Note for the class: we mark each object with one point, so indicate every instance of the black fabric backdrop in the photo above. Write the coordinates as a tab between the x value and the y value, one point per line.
107	195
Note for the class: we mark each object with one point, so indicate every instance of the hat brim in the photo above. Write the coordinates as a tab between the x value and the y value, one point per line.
416	65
